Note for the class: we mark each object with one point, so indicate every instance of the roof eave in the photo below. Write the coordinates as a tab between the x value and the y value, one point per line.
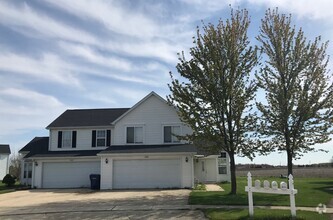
146	154
82	127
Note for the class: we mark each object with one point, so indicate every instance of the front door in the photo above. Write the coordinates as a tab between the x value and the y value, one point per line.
208	169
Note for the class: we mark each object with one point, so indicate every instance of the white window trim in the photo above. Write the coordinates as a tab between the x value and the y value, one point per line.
135	126
172	125
62	139
105	137
222	162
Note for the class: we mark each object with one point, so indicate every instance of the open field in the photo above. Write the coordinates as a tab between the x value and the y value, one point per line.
311	172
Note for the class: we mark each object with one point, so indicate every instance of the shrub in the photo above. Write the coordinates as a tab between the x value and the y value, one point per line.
8	180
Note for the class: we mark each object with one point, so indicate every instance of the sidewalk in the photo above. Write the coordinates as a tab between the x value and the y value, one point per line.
104	207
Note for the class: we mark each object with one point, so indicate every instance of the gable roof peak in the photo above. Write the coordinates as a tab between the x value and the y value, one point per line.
152	93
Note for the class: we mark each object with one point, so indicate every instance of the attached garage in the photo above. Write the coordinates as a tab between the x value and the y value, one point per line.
146	173
68	174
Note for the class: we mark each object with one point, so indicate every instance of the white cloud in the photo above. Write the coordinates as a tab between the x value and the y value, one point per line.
23	110
149	72
144	37
47	68
319	9
113	16
210	6
88	54
165	51
157	41
23	17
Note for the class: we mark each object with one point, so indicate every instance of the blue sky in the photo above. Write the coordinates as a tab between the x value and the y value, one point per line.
60	54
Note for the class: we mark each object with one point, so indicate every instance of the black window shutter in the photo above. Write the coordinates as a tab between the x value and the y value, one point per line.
73	139
59	139
108	138
93	139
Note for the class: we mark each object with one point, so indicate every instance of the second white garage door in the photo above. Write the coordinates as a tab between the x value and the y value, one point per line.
69	175
134	174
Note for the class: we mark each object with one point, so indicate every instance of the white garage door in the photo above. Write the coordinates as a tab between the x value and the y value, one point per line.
131	174
69	175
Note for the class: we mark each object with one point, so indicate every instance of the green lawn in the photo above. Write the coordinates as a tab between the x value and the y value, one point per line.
5	189
261	214
311	192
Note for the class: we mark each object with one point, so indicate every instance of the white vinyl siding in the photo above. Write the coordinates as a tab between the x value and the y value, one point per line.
83	139
152	115
4	165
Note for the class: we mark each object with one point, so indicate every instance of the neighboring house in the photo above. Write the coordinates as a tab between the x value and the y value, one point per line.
129	147
4	160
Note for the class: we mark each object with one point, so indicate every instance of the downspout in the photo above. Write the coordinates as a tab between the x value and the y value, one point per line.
192	165
217	169
33	175
7	165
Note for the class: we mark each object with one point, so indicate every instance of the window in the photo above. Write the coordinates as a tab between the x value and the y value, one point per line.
67	139
222	165
223	157
170	133
100	138
27	173
134	135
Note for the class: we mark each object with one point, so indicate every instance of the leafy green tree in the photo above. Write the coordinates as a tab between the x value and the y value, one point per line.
215	97
298	113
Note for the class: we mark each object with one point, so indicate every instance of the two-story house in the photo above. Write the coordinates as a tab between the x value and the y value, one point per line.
129	147
4	160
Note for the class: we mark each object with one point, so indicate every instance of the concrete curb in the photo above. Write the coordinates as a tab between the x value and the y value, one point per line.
24	211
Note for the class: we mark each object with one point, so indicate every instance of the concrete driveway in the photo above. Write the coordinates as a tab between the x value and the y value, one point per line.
85	203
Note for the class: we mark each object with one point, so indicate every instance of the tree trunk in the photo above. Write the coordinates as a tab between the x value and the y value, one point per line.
233	174
290	162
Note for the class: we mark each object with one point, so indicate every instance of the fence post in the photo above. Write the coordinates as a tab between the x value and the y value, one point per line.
292	196
249	185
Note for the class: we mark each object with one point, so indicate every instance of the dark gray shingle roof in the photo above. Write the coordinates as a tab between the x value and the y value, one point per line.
4	149
180	148
87	117
39	147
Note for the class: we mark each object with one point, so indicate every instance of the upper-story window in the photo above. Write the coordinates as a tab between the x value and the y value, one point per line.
66	139
134	135
101	138
170	134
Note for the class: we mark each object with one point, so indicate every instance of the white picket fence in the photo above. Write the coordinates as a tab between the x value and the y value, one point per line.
272	189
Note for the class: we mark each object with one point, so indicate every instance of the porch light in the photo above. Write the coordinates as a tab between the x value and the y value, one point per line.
106	160
186	159
36	163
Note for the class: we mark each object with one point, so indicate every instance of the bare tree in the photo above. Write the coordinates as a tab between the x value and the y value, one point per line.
15	166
